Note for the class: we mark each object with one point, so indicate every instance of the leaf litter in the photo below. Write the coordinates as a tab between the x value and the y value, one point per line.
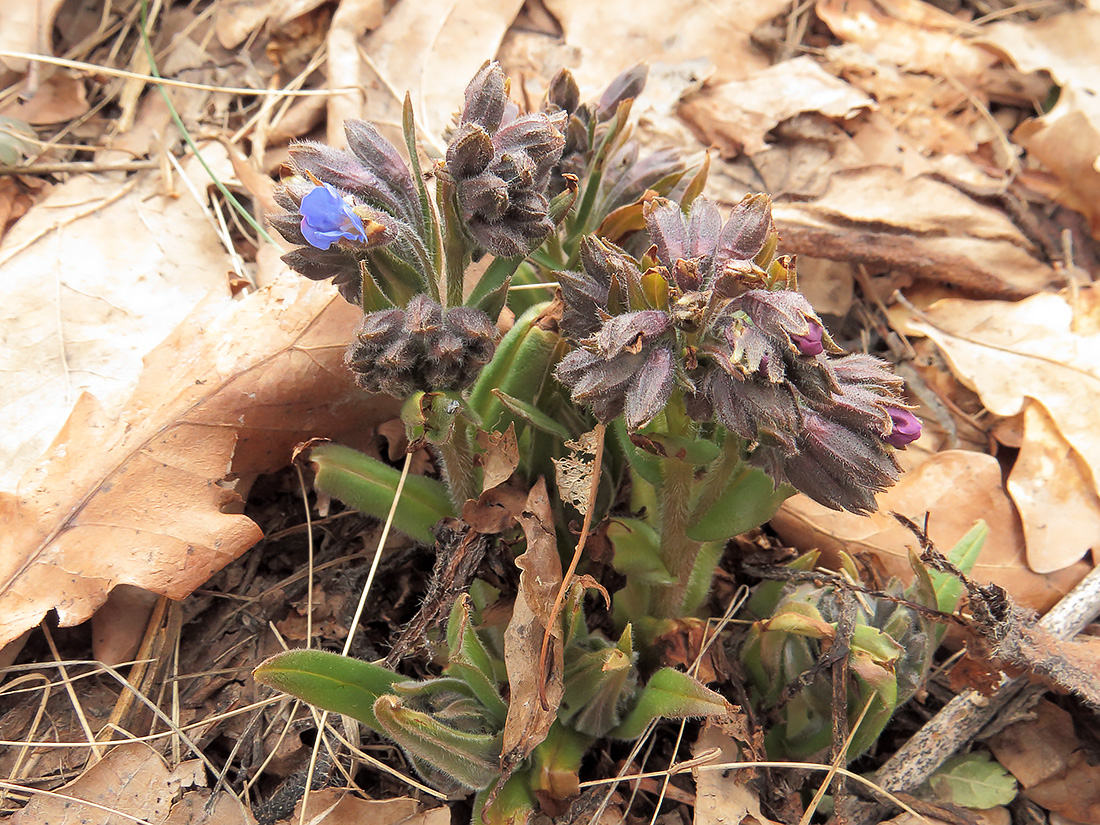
921	153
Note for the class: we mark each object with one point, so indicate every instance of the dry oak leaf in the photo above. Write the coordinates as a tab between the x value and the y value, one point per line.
138	497
737	115
879	217
131	779
956	488
338	806
1039	351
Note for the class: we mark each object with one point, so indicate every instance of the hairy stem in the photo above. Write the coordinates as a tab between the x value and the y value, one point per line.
678	552
457	462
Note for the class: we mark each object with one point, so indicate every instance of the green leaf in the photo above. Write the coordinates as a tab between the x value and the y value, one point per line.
973	780
533	416
470	758
750	499
470	661
690	449
496	276
331	682
670	694
431	223
963	555
16	140
637	552
369	485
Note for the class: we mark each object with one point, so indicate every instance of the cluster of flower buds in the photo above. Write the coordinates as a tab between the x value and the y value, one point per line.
715	316
421	347
501	164
343	206
625	173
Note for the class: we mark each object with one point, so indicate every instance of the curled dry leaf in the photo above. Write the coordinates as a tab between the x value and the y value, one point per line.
141	497
501	456
1066	139
955	488
877	216
528	720
737	115
1046	350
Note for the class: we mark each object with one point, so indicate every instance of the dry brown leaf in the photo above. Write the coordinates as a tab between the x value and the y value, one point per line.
196	808
1064	45
540	565
61	97
337	806
27	28
501	456
879	217
94	275
611	38
956	488
430	48
909	34
131	778
1054	493
736	115
1048	758
1046	349
540	577
137	497
724	797
1067	139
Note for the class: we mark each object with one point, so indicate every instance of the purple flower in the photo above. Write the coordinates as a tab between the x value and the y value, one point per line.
811	343
327	217
906	428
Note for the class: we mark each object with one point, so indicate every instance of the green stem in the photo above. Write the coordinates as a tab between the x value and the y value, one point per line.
458	465
677	551
674	493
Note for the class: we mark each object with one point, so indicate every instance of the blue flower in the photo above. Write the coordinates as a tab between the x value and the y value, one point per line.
327	217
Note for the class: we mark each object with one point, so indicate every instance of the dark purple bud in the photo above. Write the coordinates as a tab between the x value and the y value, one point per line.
906	428
327	217
486	96
626	86
564	92
665	222
631	332
469	152
811	343
746	231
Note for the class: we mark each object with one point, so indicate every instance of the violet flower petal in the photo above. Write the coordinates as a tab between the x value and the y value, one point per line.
326	218
906	429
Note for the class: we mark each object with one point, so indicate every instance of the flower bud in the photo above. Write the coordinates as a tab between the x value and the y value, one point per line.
906	428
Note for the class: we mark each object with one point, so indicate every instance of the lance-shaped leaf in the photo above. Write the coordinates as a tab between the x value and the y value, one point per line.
470	758
331	682
470	661
670	694
369	485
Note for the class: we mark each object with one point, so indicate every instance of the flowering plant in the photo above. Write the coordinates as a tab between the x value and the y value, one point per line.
673	389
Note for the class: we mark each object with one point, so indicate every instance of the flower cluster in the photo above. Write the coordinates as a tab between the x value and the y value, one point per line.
501	164
712	317
342	206
420	348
